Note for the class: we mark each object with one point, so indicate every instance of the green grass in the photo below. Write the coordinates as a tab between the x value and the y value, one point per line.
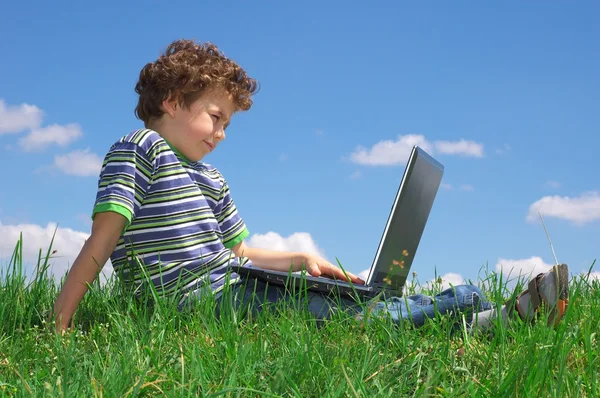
120	348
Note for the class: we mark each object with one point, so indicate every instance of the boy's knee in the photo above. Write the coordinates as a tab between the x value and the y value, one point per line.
468	295
473	297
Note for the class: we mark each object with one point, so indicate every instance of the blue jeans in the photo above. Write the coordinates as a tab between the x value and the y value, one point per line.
254	295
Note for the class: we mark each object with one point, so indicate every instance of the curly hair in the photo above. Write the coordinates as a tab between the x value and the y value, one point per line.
186	71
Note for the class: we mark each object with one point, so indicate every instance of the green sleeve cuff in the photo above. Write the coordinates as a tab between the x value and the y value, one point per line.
116	208
240	237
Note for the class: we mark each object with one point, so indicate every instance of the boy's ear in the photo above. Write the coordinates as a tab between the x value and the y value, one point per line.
169	105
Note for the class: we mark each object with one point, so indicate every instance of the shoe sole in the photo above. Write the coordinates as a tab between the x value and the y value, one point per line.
561	272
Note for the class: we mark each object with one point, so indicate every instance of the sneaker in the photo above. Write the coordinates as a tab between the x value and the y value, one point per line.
546	293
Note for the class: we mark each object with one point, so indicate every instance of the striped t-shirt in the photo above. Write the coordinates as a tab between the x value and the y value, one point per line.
181	220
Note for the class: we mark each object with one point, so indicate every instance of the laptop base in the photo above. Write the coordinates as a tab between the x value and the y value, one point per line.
307	282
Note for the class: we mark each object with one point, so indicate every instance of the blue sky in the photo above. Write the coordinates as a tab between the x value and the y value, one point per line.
505	95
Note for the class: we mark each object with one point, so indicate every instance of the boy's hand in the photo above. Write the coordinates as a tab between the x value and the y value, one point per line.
317	266
280	261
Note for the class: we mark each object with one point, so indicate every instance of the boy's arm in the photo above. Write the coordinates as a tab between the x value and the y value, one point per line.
281	261
106	231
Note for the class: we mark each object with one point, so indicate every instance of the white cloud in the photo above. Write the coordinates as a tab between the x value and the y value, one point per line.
298	241
85	219
453	279
79	163
25	117
389	152
522	268
448	280
594	275
43	137
364	274
579	210
462	147
15	119
67	243
463	187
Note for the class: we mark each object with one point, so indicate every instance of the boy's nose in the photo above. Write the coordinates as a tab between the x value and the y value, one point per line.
220	134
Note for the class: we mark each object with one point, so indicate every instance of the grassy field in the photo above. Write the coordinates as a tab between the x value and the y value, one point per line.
122	349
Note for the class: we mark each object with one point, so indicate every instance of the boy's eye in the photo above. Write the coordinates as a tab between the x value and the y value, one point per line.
217	117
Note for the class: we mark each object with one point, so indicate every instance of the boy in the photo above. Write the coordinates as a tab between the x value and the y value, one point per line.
160	207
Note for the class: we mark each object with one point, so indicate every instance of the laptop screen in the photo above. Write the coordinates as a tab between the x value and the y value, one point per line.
406	223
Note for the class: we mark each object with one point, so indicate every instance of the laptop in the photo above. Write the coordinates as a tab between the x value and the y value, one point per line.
397	247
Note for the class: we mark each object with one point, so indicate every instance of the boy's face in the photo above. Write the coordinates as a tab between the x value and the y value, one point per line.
196	131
